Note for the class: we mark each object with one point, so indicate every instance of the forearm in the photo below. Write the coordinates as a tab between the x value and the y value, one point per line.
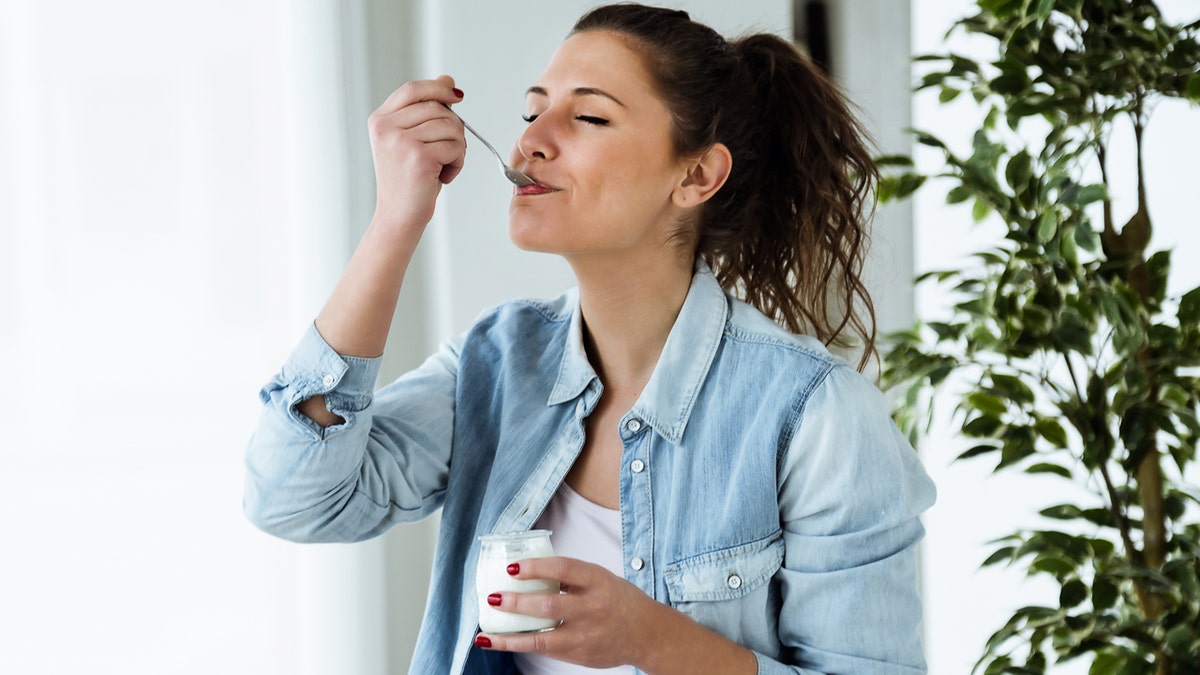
677	645
356	318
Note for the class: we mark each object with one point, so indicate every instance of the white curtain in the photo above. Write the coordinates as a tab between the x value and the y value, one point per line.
173	210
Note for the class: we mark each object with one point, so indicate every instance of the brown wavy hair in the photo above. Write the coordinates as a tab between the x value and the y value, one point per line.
788	231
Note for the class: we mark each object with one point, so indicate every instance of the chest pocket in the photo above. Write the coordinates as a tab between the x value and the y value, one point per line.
730	592
727	574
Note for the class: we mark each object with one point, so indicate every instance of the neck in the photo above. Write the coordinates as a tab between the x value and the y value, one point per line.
628	312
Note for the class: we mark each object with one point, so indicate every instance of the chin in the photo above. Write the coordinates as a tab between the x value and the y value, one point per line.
528	234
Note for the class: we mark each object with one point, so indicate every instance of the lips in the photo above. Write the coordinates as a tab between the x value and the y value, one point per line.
538	188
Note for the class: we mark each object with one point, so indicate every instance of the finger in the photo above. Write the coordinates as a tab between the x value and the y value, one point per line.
534	643
569	571
541	605
430	130
438	150
415	114
441	90
451	155
450	172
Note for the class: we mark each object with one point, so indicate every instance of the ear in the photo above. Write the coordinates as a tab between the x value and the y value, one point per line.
704	176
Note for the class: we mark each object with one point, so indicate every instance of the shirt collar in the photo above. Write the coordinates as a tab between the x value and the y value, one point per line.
666	402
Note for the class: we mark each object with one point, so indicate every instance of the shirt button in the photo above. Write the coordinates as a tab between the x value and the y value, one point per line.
637	466
734	581
637	564
327	380
633	425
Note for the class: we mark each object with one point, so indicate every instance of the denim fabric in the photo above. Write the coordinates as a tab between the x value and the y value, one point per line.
764	490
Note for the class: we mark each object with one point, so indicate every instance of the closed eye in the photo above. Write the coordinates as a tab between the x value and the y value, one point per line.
590	119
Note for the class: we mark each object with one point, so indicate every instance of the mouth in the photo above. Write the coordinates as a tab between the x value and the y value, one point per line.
538	188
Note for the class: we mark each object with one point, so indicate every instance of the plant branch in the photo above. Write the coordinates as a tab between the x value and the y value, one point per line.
1120	519
1102	158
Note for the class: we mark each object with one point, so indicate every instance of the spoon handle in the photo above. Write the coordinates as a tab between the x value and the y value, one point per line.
476	135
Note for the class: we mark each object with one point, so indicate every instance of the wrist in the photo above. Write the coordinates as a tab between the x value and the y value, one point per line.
400	230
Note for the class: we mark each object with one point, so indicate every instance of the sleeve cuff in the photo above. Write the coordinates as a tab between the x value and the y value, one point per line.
315	369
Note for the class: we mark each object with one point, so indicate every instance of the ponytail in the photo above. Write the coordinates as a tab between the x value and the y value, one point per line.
787	231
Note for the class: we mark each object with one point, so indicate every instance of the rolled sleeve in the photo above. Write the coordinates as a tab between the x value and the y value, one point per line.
315	369
387	462
851	492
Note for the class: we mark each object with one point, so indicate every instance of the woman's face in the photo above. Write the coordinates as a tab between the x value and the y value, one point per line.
599	143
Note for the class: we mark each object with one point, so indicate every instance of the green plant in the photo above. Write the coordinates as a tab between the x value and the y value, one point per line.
1063	346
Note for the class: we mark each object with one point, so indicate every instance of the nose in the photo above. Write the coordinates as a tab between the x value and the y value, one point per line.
536	143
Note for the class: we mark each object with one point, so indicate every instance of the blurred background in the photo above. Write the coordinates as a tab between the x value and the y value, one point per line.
181	184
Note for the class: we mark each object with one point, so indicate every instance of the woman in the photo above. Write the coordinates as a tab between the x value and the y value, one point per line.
727	497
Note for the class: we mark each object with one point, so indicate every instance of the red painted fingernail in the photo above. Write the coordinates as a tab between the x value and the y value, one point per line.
481	641
457	92
514	569
494	599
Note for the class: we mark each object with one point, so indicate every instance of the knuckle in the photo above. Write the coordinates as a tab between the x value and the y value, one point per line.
373	122
551	605
560	568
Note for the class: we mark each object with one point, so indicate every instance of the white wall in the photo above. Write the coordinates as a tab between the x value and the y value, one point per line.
166	230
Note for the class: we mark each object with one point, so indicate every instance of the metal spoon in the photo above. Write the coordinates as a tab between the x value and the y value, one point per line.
516	177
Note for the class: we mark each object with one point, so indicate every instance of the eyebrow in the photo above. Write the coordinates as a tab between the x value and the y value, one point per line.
578	91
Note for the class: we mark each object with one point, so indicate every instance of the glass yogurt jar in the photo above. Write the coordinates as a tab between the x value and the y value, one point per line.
496	553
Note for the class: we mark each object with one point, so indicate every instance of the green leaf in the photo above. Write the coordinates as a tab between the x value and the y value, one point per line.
1047	226
978	450
1046	467
1098	516
1069	252
948	94
1018	171
899	187
984	426
986	403
1073	592
1004	553
1012	387
1087	238
1043	10
1052	431
1189	308
893	160
958	194
1011	84
980	210
1107	663
1062	512
929	139
1180	638
1102	548
1053	565
1192	90
1091	193
1104	593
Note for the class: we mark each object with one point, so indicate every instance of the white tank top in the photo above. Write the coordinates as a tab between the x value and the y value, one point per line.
587	531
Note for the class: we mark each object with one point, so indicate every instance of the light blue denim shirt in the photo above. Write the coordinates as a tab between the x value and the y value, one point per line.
764	490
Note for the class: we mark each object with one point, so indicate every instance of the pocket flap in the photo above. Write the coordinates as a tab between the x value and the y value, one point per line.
725	574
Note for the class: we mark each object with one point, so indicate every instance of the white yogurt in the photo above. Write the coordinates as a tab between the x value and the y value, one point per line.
496	553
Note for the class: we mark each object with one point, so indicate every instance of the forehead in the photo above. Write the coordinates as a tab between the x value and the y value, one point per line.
598	59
